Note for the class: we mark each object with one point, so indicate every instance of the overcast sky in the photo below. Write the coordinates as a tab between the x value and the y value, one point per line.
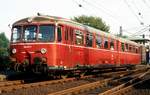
126	13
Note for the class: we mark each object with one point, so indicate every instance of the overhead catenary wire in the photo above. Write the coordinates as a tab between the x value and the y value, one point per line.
81	6
124	30
138	10
132	11
85	3
139	13
146	28
139	31
103	10
134	28
98	8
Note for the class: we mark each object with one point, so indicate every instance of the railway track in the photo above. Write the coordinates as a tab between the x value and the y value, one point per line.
53	87
95	87
128	87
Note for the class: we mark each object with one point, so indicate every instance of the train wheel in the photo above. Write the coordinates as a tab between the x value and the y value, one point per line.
33	69
24	67
45	69
15	67
36	69
18	68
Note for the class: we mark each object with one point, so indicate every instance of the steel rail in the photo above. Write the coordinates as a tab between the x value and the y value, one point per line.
31	85
94	85
82	88
10	88
130	89
109	92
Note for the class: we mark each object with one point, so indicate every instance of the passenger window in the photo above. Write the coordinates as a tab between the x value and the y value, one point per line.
79	37
71	35
66	33
122	46
89	39
130	48
59	38
106	43
134	51
112	44
98	41
137	50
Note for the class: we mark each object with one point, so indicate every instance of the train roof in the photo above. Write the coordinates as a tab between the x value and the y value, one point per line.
47	19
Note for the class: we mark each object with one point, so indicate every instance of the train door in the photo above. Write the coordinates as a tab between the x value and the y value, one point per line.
71	43
60	49
79	50
66	47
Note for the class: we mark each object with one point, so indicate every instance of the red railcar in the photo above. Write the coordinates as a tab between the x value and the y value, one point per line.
47	42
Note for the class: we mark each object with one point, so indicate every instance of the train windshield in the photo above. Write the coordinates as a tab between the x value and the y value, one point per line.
16	34
29	33
46	33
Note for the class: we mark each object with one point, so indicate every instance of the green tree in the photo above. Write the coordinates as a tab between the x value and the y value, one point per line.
92	21
4	43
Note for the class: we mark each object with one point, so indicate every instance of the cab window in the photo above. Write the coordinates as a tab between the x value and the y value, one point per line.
29	33
16	33
46	33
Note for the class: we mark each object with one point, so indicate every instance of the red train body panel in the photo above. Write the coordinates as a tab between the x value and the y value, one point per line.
68	44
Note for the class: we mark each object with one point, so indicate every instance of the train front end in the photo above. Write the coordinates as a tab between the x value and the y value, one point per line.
32	44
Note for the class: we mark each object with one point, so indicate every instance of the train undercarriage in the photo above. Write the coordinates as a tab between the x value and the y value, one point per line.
77	71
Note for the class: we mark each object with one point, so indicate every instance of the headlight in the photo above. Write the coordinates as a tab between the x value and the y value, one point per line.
14	51
43	50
